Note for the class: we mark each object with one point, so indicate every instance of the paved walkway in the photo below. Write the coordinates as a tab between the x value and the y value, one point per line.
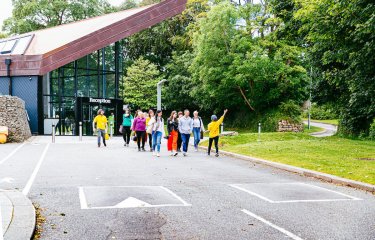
329	129
115	192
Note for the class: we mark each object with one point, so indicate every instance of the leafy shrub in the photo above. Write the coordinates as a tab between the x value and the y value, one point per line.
323	112
372	131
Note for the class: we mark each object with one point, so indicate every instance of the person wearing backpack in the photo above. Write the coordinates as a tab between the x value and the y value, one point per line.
127	121
213	128
198	129
173	133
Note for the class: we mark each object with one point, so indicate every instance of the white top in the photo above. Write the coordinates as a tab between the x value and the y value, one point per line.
158	126
197	122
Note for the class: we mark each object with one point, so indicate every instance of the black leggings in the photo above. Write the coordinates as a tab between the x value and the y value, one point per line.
179	141
150	139
216	139
126	134
141	137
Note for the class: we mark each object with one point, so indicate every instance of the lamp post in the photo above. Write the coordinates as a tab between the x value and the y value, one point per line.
159	93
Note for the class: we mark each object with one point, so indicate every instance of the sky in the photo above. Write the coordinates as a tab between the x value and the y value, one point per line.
6	9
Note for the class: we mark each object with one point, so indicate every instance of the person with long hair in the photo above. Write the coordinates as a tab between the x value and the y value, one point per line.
173	133
127	121
179	140
100	124
198	129
151	115
139	126
158	132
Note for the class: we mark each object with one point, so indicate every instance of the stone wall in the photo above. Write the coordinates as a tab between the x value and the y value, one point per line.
13	115
286	126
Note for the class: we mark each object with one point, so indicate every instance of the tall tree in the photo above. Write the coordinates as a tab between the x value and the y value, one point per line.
340	36
140	84
241	64
38	14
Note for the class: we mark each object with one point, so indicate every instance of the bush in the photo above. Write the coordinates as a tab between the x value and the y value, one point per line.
323	112
372	131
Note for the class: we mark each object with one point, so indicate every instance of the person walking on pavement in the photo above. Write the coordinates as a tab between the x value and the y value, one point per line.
111	121
179	140
139	126
185	126
198	129
127	121
213	128
173	133
151	115
100	124
158	133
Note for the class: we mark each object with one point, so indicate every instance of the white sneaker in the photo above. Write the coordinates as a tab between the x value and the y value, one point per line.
153	153
158	155
172	153
175	154
196	149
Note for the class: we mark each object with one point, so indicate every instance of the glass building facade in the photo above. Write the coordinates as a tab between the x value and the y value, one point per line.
73	93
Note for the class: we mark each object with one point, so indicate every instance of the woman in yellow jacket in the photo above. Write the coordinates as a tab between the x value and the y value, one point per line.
213	128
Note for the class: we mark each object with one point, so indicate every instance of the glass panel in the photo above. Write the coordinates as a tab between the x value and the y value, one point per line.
110	85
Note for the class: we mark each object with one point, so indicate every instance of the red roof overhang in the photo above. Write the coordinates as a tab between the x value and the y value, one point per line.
41	64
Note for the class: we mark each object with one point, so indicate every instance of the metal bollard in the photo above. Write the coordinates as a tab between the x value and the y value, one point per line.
53	133
111	131
80	131
259	131
222	127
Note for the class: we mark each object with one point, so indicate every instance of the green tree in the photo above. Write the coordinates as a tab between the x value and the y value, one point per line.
240	64
140	84
38	14
340	36
127	4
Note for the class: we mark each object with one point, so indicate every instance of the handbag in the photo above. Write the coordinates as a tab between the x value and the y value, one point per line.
135	137
201	134
106	136
120	129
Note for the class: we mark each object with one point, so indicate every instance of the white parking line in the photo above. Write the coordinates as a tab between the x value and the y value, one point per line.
349	198
85	205
27	188
252	193
82	198
1	226
11	153
329	190
286	232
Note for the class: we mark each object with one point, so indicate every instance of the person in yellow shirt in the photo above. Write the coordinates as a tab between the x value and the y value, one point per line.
101	126
213	128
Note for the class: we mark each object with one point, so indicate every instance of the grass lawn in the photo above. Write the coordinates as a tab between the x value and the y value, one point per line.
353	159
329	121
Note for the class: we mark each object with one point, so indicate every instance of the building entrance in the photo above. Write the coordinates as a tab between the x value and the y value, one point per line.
87	108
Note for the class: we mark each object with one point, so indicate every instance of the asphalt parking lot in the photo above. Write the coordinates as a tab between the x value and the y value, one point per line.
115	192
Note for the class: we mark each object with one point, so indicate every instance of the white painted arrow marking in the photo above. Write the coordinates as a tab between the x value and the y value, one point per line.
7	180
132	202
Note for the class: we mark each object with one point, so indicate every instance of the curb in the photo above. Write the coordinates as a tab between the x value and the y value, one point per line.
22	224
304	172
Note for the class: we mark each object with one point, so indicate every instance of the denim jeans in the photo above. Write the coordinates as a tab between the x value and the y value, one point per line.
101	133
156	140
185	142
197	136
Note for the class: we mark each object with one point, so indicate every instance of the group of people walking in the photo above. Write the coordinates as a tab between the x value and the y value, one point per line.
150	127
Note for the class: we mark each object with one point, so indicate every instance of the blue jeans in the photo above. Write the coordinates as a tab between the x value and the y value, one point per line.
197	136
156	140
101	133
185	141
